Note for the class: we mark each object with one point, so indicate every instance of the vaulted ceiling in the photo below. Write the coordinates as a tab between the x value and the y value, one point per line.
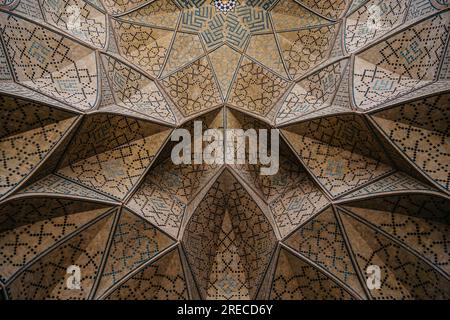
91	90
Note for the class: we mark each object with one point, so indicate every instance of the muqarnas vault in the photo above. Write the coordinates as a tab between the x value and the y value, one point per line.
91	90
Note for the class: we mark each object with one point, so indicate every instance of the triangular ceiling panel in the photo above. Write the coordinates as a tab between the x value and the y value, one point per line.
227	277
264	49
339	151
313	93
89	24
420	221
163	279
134	242
159	13
193	88
111	152
297	205
291	195
159	206
381	74
225	62
322	241
167	189
31	225
256	89
304	49
396	182
288	15
426	124
373	20
185	48
44	61
144	46
297	280
56	185
29	132
46	278
403	274
135	91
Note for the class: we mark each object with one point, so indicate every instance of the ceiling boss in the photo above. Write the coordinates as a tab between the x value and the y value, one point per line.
225	5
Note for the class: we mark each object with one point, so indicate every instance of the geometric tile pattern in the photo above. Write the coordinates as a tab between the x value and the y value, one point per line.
90	91
288	15
56	185
321	241
144	46
227	278
224	72
403	275
111	152
134	242
43	60
78	18
47	277
395	182
419	221
31	225
310	94
233	28
425	124
160	280
297	204
256	89
120	6
264	49
329	8
202	234
256	234
269	187
340	151
229	250
158	206
373	20
185	48
167	189
136	92
386	75
296	280
193	88
27	8
29	131
160	13
304	49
